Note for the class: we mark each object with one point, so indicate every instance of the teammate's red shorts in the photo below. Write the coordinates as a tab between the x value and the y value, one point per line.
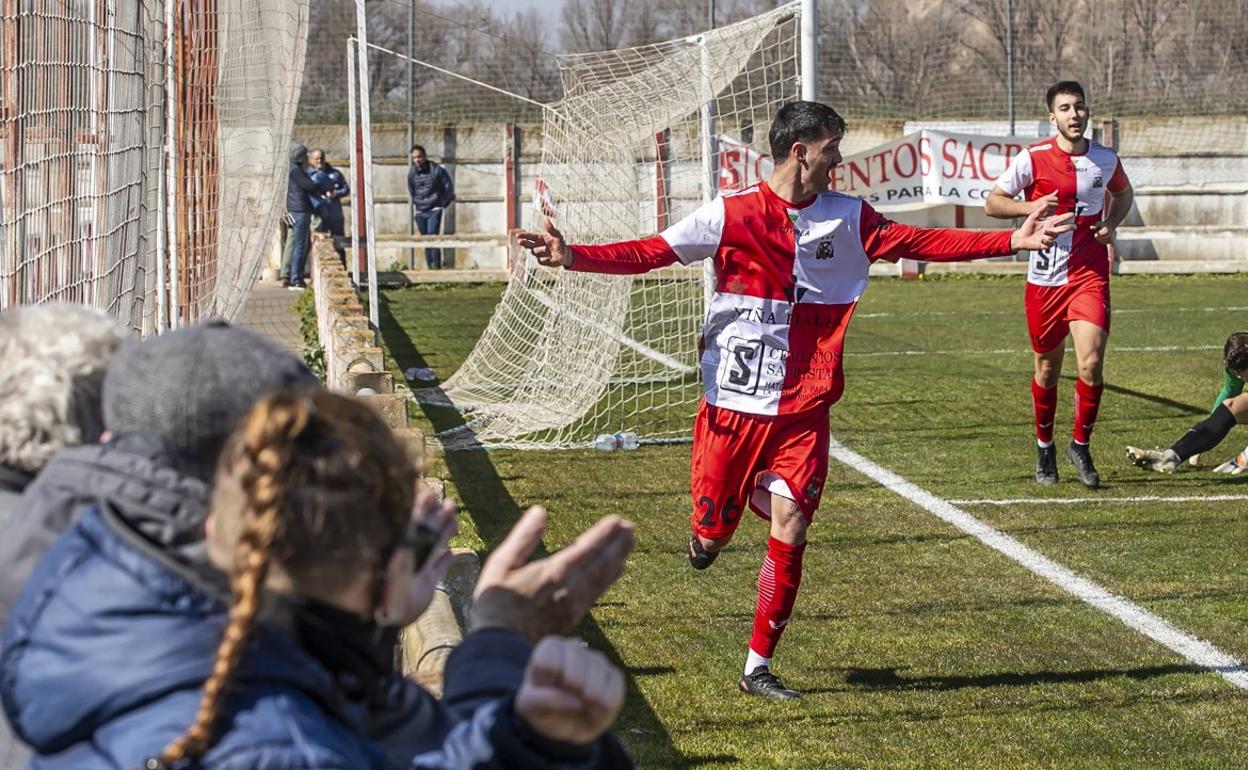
1050	309
731	452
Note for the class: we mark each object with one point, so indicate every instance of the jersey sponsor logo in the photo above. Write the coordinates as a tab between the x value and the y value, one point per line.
824	251
745	366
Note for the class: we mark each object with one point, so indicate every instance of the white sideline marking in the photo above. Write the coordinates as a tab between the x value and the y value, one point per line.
1124	311
1011	351
1197	651
1078	500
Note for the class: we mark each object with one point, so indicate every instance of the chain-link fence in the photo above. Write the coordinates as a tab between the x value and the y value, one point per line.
143	150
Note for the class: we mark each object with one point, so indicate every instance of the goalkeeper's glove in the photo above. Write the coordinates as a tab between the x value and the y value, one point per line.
1163	460
1236	465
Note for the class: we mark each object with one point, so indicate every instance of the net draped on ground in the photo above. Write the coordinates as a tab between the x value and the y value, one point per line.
94	94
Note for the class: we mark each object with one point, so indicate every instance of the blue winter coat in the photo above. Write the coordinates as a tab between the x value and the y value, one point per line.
109	644
429	186
331	180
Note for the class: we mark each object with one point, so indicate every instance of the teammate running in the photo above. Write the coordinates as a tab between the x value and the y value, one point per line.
790	261
1229	408
1067	283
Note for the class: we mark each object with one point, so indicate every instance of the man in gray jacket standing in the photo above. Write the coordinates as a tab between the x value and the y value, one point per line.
303	195
431	190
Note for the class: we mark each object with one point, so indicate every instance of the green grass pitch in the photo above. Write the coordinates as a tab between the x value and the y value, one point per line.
917	645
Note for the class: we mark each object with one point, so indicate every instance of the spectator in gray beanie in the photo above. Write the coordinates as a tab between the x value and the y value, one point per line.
52	361
169	403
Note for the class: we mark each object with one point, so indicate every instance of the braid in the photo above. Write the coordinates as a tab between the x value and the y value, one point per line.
265	453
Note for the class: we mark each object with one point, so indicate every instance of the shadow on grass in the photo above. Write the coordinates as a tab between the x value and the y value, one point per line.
1149	397
892	679
484	492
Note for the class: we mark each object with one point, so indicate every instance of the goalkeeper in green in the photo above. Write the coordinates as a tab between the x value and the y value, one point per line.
1229	409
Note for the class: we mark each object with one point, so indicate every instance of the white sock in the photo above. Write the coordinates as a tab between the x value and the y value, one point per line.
753	660
1043	444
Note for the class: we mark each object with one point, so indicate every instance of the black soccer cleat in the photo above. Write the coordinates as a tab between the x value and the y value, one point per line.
1081	458
1046	464
765	684
699	557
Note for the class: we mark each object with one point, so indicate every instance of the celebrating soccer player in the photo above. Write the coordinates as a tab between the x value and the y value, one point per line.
1229	409
1068	282
791	261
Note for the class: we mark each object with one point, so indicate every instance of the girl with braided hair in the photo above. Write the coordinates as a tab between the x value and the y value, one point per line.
314	518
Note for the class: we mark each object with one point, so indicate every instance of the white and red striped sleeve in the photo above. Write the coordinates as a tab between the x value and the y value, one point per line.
1019	175
1118	182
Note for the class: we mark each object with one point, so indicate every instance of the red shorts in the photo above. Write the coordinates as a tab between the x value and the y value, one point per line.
1050	309
733	450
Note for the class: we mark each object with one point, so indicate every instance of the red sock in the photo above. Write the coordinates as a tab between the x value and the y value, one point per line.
1044	404
777	591
1087	404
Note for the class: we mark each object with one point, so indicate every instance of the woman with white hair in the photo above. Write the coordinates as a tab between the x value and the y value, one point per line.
52	362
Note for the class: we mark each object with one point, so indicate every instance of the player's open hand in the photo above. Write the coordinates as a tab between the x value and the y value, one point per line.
1038	233
547	245
570	693
1103	232
1046	205
548	596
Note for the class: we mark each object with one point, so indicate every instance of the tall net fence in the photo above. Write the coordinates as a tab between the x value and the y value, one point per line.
143	151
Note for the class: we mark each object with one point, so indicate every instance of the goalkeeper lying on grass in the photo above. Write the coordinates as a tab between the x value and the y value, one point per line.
1230	408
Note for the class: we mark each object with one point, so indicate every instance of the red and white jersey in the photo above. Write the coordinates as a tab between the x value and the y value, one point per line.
787	280
1080	182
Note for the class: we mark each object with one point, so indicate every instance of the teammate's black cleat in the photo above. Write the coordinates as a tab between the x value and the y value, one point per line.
1046	464
699	557
764	683
1081	458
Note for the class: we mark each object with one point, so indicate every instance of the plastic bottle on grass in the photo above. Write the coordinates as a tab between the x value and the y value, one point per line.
611	442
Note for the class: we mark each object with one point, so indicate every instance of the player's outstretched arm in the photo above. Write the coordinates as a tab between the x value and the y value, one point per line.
1038	233
622	258
547	245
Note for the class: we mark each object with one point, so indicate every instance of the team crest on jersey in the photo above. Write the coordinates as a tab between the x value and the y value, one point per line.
812	490
1096	182
824	251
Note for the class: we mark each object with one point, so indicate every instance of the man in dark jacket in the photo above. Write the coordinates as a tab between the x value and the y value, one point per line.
334	185
303	196
431	190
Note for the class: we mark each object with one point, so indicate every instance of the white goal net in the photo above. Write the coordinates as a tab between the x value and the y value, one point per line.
641	137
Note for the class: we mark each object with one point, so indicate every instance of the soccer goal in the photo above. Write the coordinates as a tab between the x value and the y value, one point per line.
639	139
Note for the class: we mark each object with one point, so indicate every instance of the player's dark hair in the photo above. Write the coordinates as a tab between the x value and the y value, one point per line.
1235	354
1071	87
416	147
801	122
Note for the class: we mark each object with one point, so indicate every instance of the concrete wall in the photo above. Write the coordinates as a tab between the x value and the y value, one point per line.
1187	172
